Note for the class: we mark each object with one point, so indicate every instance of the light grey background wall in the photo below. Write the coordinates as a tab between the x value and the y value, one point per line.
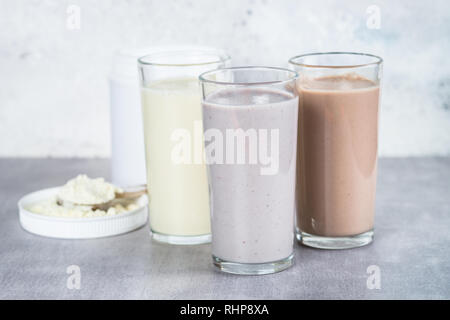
53	78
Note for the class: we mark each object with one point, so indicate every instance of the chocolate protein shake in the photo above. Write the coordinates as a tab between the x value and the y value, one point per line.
337	155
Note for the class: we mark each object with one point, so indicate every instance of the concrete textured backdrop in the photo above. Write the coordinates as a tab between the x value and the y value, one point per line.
53	79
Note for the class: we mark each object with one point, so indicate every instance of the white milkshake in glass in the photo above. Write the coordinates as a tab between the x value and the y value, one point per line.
176	172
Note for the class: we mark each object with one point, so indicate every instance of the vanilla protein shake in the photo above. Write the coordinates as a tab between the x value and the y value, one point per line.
252	204
173	137
178	190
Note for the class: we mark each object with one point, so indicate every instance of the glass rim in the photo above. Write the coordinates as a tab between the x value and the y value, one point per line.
221	55
378	60
229	83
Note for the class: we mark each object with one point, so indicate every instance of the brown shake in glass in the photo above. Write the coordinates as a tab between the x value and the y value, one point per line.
337	148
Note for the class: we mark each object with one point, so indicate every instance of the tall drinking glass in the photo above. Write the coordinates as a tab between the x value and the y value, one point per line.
173	136
250	123
337	148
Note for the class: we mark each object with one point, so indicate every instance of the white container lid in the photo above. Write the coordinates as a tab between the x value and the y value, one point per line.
78	228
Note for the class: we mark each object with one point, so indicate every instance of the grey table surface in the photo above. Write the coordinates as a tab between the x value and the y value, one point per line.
411	248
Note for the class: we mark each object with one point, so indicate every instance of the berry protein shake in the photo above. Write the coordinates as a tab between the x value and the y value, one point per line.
250	145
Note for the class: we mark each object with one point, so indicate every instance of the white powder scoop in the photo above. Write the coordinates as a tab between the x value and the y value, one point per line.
97	193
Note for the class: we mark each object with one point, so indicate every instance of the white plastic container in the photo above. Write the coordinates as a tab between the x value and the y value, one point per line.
127	141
